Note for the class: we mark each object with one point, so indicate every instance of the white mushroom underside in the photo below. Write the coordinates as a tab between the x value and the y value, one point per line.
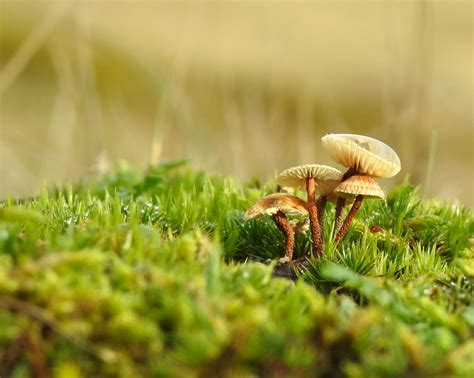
327	178
271	204
323	188
366	155
286	210
360	185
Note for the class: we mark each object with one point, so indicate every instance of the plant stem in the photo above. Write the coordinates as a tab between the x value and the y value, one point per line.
355	207
282	222
313	216
321	205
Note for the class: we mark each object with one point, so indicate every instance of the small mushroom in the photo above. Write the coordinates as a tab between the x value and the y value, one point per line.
315	178
363	156
360	187
279	205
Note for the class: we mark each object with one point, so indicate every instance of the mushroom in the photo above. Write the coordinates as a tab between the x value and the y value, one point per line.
360	187
314	178
362	155
279	205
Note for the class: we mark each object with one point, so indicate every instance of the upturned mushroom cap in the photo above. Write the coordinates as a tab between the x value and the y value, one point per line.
327	178
366	155
269	205
359	185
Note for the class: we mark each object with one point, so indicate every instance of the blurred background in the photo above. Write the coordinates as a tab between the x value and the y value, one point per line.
242	88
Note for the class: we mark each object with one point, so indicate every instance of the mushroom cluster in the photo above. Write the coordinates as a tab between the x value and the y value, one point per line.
364	158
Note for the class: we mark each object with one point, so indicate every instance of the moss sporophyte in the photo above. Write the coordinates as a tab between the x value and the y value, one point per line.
364	157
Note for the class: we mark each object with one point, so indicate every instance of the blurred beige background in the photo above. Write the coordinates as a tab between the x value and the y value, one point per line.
242	88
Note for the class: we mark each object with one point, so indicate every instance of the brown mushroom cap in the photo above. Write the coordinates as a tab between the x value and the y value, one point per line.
359	185
366	155
327	178
271	204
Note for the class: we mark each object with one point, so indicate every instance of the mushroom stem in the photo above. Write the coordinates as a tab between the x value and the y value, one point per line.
355	207
282	222
313	215
321	204
341	202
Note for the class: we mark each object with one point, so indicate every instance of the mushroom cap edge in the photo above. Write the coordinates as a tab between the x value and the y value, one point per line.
365	154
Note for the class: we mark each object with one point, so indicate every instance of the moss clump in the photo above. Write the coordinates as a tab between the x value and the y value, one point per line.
156	274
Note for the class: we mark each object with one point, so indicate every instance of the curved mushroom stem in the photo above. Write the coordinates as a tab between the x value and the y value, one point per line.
341	202
355	207
313	215
282	222
320	205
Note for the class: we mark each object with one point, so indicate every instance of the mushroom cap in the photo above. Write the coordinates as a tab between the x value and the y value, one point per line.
360	184
271	204
366	155
298	226
327	178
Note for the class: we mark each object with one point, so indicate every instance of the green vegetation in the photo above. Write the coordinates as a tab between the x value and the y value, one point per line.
156	274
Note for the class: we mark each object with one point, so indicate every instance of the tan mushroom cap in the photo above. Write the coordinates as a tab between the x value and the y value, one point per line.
327	178
271	204
360	185
367	155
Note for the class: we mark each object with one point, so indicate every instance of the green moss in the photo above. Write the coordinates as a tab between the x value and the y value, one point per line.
157	274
